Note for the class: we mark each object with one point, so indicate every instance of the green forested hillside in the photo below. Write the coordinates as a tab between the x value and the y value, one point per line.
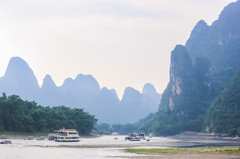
224	114
199	72
220	43
186	98
17	115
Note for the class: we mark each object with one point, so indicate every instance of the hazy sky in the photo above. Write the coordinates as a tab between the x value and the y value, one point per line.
120	42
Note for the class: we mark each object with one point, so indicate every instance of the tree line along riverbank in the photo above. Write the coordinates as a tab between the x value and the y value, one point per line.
24	117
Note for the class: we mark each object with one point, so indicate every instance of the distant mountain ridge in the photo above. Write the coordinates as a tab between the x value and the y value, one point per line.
82	92
199	72
19	79
220	44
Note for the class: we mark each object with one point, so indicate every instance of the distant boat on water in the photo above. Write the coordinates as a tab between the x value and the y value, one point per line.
64	135
5	142
135	137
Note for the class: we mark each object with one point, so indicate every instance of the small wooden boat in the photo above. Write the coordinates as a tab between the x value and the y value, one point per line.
6	142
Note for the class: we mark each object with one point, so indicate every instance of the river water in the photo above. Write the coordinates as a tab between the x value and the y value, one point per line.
95	148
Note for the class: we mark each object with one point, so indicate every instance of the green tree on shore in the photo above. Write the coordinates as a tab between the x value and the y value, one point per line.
17	115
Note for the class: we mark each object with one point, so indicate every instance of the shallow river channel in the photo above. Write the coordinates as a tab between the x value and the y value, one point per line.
96	148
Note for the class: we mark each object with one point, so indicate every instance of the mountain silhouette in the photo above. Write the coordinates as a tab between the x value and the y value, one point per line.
150	98
50	94
82	92
199	74
19	79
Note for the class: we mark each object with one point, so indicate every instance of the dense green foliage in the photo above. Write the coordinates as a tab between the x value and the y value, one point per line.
220	43
185	100
224	114
17	115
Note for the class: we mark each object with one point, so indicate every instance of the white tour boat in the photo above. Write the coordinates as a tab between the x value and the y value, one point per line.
67	135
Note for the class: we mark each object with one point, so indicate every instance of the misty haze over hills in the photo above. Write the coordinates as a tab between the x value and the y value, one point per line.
204	84
82	92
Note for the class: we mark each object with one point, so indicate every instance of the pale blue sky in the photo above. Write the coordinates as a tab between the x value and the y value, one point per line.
120	42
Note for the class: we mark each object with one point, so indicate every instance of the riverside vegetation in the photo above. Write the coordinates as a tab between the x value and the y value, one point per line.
225	150
21	116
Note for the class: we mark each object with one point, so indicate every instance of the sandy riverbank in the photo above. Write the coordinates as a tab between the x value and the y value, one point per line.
184	156
182	153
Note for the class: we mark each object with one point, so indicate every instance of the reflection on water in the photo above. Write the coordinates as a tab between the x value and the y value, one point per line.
29	149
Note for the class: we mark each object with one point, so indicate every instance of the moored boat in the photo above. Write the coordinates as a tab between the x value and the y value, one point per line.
65	135
136	137
6	142
133	137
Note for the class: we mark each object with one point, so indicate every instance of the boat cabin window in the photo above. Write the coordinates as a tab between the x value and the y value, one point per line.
63	133
71	137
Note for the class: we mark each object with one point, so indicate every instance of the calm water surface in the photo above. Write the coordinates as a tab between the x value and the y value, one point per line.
33	149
